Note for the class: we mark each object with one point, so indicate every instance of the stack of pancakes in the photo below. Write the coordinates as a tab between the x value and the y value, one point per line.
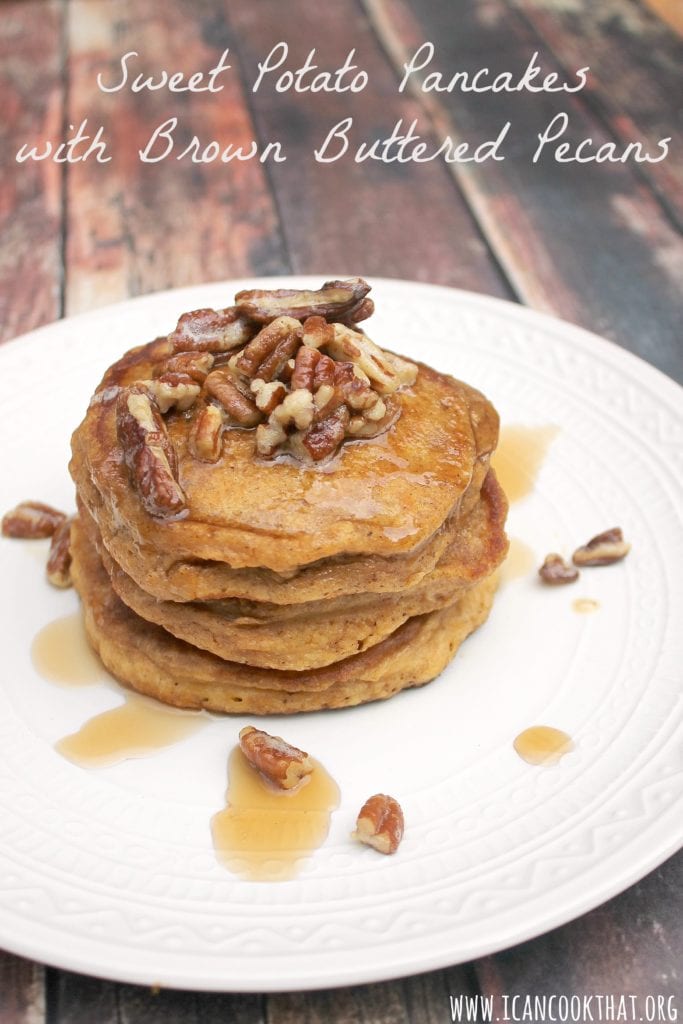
286	587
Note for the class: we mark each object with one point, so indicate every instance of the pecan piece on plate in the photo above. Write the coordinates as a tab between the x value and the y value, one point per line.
31	520
206	435
282	764
604	549
149	454
380	823
555	571
210	330
58	567
240	408
335	300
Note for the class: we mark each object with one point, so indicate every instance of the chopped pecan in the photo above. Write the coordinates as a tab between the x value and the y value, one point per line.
206	435
312	369
380	823
325	437
385	372
604	549
172	389
555	571
195	364
268	353
210	330
31	520
267	394
283	765
59	560
317	332
295	411
149	453
240	408
336	299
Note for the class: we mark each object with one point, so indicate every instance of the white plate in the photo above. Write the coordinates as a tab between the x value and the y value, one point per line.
112	872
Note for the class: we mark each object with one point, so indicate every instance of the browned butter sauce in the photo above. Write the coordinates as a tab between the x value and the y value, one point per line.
519	456
542	744
61	653
136	728
263	833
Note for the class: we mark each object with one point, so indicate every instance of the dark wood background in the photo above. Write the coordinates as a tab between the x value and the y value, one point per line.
597	244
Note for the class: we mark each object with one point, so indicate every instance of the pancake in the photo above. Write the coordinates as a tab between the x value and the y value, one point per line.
151	661
253	528
314	634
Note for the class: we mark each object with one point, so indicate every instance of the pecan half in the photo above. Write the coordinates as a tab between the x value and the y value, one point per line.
385	372
31	520
149	454
267	354
317	332
283	765
206	435
241	409
335	300
58	568
325	437
380	823
555	571
210	330
195	364
604	549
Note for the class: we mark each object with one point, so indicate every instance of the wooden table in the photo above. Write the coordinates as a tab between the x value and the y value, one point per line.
595	243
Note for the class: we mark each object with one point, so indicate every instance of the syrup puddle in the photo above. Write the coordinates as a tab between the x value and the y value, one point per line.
520	560
61	653
541	744
519	457
139	727
134	729
585	605
263	833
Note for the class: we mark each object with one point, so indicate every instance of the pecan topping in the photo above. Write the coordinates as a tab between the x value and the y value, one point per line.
240	408
323	438
385	372
267	354
295	411
206	436
267	394
283	765
317	332
172	389
334	301
380	823
210	330
604	549
555	571
195	364
59	560
149	453
31	520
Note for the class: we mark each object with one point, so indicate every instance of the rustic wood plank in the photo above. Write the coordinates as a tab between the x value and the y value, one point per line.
22	990
77	999
588	242
635	80
135	227
423	999
632	944
32	89
374	219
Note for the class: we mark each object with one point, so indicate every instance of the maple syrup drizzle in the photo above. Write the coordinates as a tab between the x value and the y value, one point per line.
519	457
264	833
61	653
542	744
136	728
519	561
585	605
